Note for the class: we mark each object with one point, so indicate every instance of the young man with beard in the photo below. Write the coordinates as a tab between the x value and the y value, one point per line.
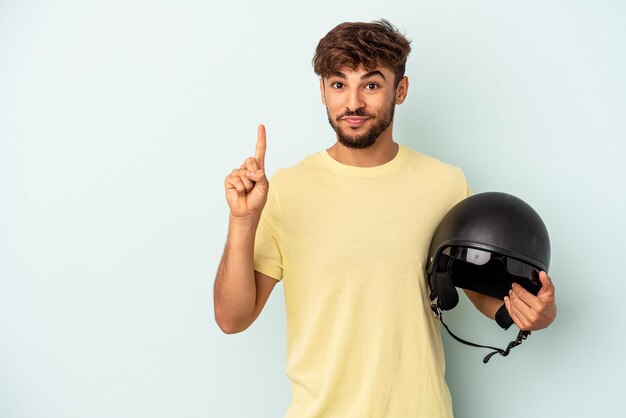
347	230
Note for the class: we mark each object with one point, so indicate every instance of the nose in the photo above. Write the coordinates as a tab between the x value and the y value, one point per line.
354	100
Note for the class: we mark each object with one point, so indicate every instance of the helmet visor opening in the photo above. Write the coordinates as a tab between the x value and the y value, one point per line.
488	272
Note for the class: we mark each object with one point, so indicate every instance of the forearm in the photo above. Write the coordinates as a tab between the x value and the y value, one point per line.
234	293
485	304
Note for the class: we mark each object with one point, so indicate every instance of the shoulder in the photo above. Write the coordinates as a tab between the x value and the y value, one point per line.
419	161
440	180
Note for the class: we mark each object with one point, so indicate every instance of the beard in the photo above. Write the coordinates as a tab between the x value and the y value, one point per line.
367	138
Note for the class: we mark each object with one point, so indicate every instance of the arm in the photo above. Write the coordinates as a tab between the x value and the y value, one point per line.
486	304
529	312
239	292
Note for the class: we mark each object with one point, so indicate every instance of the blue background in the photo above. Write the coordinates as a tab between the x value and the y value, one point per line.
119	121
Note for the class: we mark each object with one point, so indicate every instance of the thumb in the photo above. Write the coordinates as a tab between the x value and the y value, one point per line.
259	178
547	288
256	175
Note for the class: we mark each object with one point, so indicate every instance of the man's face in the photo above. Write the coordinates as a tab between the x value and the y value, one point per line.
360	103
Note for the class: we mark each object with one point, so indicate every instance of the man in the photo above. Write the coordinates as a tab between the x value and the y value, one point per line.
349	229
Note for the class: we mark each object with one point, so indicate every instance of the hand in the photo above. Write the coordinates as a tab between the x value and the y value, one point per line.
247	186
530	312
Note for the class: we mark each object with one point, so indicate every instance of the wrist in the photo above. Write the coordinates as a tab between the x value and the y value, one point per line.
246	222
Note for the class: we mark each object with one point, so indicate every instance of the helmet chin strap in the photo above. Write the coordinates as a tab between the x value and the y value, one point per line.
521	336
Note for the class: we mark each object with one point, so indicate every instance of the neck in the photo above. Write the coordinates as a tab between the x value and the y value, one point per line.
383	151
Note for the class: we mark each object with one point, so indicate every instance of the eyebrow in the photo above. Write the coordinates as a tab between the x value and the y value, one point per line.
363	77
371	74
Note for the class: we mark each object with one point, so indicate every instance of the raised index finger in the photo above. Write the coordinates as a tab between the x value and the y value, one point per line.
260	147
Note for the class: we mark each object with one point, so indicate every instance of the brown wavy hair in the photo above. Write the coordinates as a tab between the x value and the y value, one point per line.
356	44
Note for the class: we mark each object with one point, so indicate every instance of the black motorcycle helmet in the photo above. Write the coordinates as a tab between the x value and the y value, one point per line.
485	243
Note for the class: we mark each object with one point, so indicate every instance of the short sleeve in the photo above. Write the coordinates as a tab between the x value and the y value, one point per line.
468	189
463	188
268	241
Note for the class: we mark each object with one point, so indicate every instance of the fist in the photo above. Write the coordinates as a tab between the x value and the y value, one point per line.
246	186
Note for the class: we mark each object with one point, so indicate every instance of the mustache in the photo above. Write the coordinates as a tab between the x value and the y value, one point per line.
358	112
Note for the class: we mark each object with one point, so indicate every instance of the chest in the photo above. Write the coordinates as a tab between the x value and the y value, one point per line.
361	221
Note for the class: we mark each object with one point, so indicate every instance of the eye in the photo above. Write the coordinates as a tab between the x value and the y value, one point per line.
337	85
371	86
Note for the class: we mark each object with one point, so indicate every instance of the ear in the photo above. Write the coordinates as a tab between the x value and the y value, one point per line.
402	90
322	93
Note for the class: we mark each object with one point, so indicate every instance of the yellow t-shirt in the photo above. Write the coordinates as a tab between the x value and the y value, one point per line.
350	245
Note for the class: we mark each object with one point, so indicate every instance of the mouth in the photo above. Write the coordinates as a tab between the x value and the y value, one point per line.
355	121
